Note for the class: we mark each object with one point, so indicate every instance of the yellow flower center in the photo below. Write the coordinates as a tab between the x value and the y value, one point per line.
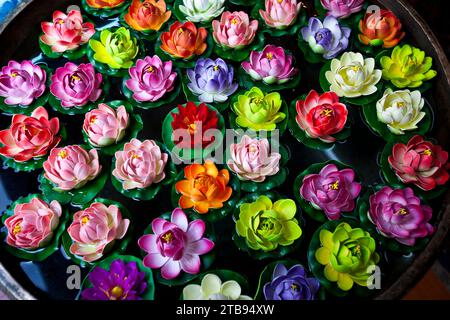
280	1
93	119
167	237
60	21
356	68
75	77
134	155
116	292
180	30
17	229
269	56
234	21
357	250
14	74
62	154
400	104
402	212
192	127
266	225
150	70
427	152
294	287
335	185
216	68
257	100
84	220
23	127
253	149
326	112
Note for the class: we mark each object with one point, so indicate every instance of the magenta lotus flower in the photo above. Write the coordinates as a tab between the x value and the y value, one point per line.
332	190
95	228
105	126
22	83
234	30
33	223
140	164
176	245
252	159
151	79
342	8
399	214
272	65
71	167
66	32
281	14
76	85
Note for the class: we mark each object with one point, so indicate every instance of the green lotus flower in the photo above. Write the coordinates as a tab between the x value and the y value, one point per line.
407	67
265	225
258	111
346	254
116	49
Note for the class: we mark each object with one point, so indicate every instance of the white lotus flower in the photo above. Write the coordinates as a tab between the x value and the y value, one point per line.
353	76
400	110
212	288
202	10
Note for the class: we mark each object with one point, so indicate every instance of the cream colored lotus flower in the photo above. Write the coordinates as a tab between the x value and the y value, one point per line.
353	76
212	288
202	10
400	110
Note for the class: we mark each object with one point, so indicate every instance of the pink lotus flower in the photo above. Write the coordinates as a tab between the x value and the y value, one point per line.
30	137
140	164
272	65
22	83
281	14
76	85
66	32
151	79
95	228
342	8
32	224
105	126
252	159
71	167
234	30
175	245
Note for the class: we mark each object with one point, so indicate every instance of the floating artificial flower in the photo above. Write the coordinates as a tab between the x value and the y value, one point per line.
66	31
175	245
22	83
272	65
234	30
212	288
381	28
123	281
320	117
257	110
196	120
420	162
33	224
407	67
75	86
353	76
332	190
292	284
204	187
140	164
184	40
346	253
280	14
71	167
212	80
400	110
342	8
95	229
104	4
117	48
30	137
252	159
201	10
151	79
266	225
327	38
147	15
399	214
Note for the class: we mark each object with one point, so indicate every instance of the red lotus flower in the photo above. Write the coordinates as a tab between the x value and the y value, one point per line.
196	120
420	162
321	116
29	137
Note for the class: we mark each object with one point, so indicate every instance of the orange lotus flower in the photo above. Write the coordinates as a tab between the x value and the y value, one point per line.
147	15
205	187
184	40
381	28
104	4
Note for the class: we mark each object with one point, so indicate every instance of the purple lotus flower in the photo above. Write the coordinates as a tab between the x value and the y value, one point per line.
292	284
342	8
151	79
212	80
272	65
76	85
398	214
22	83
327	38
123	281
332	190
175	245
